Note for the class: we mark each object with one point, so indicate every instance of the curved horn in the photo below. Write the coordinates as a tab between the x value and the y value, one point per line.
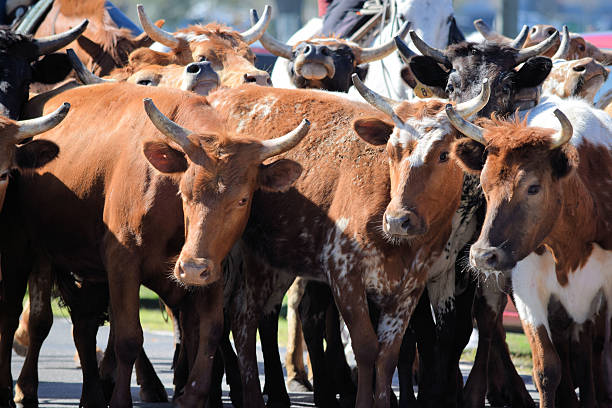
425	49
278	48
404	51
380	52
474	105
281	144
85	76
467	128
170	129
566	130
33	127
156	33
378	101
488	33
47	45
259	28
526	53
564	46
520	39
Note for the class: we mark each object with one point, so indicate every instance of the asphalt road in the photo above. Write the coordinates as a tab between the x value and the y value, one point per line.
60	379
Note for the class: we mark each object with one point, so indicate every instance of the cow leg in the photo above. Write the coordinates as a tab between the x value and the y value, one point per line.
354	311
581	358
232	370
151	387
600	359
207	305
313	315
273	369
334	355
405	366
22	335
39	324
297	380
12	290
546	363
108	364
565	395
244	329
215	395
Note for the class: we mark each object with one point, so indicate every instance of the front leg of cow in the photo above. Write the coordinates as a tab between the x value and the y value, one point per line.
273	369
244	330
41	320
207	304
354	311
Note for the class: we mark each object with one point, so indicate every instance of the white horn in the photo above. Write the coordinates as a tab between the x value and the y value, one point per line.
169	128
425	49
567	130
259	28
85	76
378	101
380	52
48	45
564	46
474	105
526	53
156	33
467	128
33	127
278	48
282	144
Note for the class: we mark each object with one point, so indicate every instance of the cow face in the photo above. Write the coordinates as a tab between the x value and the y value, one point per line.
16	155
227	50
458	72
19	58
218	176
520	174
581	78
425	185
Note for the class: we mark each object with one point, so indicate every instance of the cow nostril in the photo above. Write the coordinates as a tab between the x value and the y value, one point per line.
579	68
249	78
534	29
193	68
307	49
551	31
490	258
406	224
325	51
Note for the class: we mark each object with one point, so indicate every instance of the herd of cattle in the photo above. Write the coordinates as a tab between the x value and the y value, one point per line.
217	185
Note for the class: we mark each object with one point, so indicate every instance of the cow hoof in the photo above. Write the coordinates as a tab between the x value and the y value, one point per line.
236	398
108	385
299	385
20	349
23	398
6	397
153	393
278	404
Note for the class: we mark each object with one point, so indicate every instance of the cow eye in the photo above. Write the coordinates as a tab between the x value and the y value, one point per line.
581	47
243	202
145	82
443	157
4	176
450	88
533	189
203	59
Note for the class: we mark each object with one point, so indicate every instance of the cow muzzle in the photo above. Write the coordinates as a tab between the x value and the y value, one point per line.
591	69
404	224
315	63
488	258
199	77
196	271
257	77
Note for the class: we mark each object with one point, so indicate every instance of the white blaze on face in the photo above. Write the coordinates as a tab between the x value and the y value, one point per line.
416	132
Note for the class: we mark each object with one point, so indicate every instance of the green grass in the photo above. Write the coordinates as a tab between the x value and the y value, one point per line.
520	352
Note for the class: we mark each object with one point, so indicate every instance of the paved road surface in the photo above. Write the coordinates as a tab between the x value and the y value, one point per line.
60	379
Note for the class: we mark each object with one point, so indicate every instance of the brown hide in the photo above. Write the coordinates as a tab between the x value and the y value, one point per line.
581	78
579	47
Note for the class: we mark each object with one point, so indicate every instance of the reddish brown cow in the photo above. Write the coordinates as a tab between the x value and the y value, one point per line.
371	221
130	243
103	46
547	185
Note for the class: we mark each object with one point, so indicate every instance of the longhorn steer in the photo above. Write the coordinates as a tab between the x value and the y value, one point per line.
343	234
194	195
547	183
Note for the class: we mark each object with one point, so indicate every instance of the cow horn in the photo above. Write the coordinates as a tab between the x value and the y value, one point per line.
520	39
157	34
467	128
402	48
169	128
48	45
85	76
378	101
564	46
380	52
36	126
278	48
566	130
281	144
488	33
526	53
474	105
425	49
259	28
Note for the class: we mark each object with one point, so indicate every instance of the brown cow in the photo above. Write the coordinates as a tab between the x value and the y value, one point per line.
333	226
547	185
216	172
227	50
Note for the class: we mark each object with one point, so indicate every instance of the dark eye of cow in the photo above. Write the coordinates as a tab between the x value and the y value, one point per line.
581	47
443	157
145	82
533	189
243	202
4	176
203	59
450	88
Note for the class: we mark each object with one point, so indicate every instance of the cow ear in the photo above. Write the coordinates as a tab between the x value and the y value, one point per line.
533	72
362	71
35	154
279	176
373	130
563	160
51	69
408	77
470	155
164	158
428	72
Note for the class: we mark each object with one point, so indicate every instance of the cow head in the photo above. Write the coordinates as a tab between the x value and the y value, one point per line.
227	50
218	175
20	58
520	172
326	63
425	184
458	71
17	155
